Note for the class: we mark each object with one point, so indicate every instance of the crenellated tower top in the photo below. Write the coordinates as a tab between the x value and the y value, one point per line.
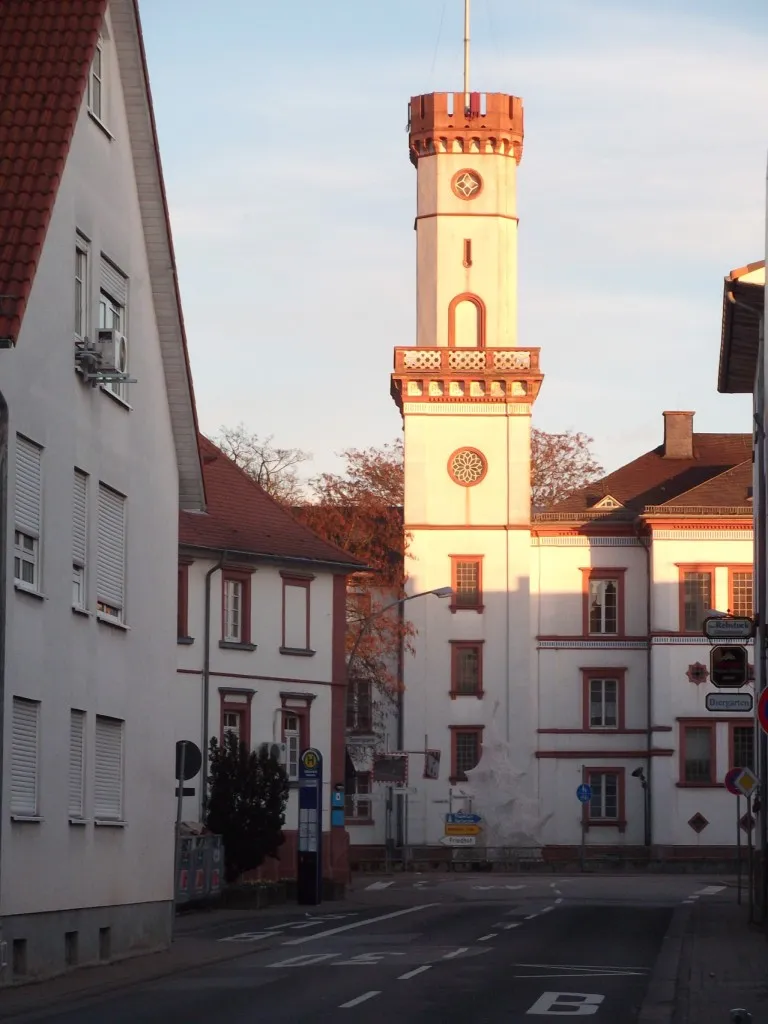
471	123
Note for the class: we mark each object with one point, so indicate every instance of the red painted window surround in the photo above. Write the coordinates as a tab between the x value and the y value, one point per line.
458	647
620	822
300	705
182	601
619	674
455	731
697	567
236	700
463	601
736	599
618	574
709	727
481	317
240	574
302	581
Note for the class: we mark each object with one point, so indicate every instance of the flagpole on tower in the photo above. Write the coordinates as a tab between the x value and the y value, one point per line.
466	54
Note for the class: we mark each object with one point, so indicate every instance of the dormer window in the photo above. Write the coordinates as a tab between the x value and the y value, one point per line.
96	83
608	502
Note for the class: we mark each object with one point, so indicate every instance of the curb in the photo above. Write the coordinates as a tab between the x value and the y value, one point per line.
658	1007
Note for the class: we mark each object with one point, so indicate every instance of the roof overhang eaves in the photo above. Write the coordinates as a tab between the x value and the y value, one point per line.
256	557
743	305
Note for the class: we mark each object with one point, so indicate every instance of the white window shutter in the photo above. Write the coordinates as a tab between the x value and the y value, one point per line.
110	574
79	517
28	486
108	769
113	282
76	763
24	756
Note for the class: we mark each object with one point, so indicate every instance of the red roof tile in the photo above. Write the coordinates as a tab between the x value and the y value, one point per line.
652	479
46	51
732	489
243	518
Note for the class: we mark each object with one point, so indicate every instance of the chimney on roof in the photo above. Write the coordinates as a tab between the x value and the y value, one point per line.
678	435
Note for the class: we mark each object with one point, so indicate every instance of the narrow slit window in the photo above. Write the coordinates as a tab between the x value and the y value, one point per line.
467	252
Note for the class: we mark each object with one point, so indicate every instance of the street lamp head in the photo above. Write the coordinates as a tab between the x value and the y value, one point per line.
638	773
443	592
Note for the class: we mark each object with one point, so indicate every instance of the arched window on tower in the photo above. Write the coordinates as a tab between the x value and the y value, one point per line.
466	322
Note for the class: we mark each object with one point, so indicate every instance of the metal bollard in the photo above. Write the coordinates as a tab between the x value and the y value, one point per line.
740	1017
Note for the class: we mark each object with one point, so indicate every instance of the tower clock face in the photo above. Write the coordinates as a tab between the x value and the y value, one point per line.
467	184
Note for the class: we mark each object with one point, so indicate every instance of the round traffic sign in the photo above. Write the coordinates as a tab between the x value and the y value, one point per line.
762	710
730	780
584	793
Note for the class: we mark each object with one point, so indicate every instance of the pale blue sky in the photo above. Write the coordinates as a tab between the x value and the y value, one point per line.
282	130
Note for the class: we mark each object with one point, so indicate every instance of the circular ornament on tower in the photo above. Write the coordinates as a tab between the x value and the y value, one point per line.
467	467
467	184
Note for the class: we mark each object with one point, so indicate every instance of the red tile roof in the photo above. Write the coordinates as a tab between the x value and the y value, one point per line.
46	51
732	489
243	518
652	479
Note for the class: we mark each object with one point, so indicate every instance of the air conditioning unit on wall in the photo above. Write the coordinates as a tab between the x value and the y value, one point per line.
112	349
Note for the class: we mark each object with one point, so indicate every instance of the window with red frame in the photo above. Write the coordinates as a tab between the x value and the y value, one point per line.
742	746
741	599
236	607
466	749
296	613
466	669
697	754
295	737
696	597
607	801
360	705
236	715
182	603
466	582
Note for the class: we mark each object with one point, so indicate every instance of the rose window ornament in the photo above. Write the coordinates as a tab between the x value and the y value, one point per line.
467	184
467	467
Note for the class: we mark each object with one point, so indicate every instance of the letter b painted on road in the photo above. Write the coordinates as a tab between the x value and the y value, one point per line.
563	1004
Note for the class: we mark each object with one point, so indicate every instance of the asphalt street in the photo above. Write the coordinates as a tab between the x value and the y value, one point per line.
465	950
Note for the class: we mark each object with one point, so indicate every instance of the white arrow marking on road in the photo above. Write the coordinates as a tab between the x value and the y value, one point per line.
359	924
360	999
379	885
709	890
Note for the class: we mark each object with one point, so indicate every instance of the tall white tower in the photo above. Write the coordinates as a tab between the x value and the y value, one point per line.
466	391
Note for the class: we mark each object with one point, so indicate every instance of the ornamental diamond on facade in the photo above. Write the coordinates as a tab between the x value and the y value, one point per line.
698	822
697	673
467	184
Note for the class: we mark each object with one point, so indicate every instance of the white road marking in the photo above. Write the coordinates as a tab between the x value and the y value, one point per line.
365	959
546	910
601	971
484	938
306	960
247	937
456	952
360	999
515	924
412	974
709	890
378	885
558	1004
359	924
531	917
485	888
559	899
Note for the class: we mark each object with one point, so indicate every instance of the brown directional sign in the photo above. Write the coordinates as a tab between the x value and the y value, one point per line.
729	666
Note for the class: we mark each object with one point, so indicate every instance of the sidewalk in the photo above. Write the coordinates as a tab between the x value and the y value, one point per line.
193	947
723	965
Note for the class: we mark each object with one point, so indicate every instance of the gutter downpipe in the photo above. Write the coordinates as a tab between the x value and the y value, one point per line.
760	654
648	800
207	680
400	720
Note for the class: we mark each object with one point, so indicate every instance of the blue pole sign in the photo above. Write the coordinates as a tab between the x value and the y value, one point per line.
584	793
309	870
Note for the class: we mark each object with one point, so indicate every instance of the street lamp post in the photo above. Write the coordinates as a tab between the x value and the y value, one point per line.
638	773
441	592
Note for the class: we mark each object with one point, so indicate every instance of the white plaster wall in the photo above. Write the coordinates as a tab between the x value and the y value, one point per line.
501	498
440	241
53	655
264	670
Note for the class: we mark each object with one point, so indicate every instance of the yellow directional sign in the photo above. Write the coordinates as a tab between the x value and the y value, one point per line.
462	830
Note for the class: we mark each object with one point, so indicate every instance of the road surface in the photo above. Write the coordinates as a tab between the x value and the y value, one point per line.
474	950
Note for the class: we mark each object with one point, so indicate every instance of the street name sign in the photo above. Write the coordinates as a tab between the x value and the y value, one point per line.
462	830
463	818
458	840
729	702
729	628
729	666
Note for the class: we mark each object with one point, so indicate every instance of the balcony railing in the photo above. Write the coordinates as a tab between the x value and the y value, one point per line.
463	360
